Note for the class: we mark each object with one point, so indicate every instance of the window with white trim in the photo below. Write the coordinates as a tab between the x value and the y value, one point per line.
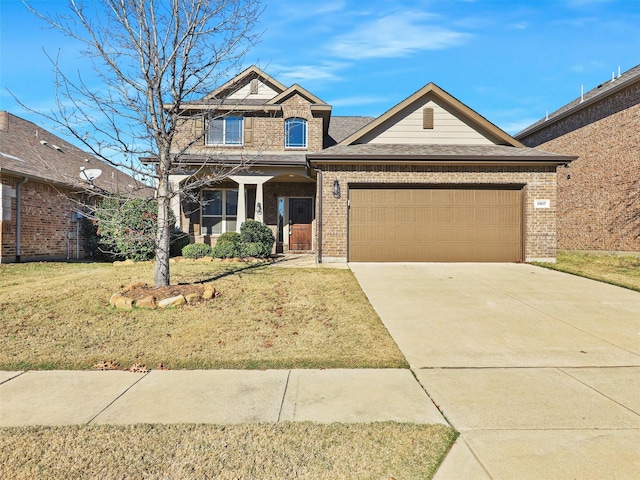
225	131
219	211
295	133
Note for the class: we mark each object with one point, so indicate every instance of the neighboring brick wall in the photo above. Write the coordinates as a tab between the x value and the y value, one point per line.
598	194
7	219
540	183
45	222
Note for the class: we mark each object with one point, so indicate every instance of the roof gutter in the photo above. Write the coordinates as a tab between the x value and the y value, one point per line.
438	160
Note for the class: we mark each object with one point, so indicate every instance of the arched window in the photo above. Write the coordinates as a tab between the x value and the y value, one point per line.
295	133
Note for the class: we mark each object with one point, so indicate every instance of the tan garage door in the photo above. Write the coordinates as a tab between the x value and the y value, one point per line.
435	225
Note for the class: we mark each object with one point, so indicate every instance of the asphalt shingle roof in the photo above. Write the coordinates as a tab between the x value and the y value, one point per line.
435	152
26	149
342	127
588	98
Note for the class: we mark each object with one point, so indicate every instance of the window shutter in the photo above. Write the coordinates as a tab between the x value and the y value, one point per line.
248	130
198	129
427	118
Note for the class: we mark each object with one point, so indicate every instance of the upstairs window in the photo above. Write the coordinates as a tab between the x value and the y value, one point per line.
224	131
295	133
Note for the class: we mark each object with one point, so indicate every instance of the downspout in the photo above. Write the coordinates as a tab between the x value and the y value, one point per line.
19	215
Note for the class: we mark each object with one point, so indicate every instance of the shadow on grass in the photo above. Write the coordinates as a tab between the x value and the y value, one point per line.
228	273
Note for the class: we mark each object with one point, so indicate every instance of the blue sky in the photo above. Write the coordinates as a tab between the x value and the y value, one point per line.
511	61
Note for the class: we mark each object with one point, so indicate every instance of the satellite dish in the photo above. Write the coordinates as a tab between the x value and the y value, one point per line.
90	174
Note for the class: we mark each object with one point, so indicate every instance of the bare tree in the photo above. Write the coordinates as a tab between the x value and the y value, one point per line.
151	57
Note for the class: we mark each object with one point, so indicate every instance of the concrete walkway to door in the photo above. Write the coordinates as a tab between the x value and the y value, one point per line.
538	370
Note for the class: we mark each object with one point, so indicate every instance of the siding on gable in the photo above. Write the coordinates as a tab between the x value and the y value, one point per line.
447	129
264	92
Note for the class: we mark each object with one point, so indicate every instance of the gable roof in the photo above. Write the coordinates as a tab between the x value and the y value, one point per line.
29	151
292	90
242	79
480	123
597	94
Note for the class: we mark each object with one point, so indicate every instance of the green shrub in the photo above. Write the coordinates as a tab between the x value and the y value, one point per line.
179	240
127	227
256	232
227	246
253	249
196	250
233	237
226	250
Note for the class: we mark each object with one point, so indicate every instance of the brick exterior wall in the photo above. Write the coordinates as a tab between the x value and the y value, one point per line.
45	222
598	194
539	183
267	130
267	136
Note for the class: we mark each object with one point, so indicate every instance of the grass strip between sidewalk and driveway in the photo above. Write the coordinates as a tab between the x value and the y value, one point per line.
57	316
285	450
619	270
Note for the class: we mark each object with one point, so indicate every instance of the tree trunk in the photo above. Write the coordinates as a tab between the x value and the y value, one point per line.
163	240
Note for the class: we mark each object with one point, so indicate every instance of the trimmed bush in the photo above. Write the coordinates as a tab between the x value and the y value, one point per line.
256	232
233	237
196	250
226	250
227	246
253	249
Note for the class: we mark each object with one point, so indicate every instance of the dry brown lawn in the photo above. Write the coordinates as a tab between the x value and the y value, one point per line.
274	451
621	270
57	316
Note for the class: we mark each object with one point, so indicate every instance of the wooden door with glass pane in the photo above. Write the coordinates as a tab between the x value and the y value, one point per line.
300	223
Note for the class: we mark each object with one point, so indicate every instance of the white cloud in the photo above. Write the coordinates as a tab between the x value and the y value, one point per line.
308	73
395	35
357	100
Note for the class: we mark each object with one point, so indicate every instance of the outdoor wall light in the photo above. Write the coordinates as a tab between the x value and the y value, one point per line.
336	188
259	208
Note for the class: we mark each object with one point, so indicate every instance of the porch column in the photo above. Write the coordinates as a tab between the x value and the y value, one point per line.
176	197
259	203
242	208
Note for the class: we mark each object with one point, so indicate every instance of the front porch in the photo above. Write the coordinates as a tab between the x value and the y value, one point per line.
283	201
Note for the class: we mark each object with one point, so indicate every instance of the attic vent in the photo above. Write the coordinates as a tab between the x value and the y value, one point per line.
427	118
254	86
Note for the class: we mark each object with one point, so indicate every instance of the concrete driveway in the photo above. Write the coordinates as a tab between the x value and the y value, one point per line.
538	370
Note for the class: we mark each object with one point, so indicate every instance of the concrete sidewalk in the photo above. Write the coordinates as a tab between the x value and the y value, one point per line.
213	396
538	370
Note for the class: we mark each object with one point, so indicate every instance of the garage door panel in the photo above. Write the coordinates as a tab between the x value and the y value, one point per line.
435	225
465	214
403	214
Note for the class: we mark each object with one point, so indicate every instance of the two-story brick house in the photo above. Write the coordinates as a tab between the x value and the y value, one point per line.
598	194
429	180
259	132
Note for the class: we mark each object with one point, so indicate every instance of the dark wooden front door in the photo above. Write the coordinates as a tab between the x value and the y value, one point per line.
300	218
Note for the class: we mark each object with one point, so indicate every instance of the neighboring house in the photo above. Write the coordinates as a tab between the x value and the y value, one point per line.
429	180
44	185
598	194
